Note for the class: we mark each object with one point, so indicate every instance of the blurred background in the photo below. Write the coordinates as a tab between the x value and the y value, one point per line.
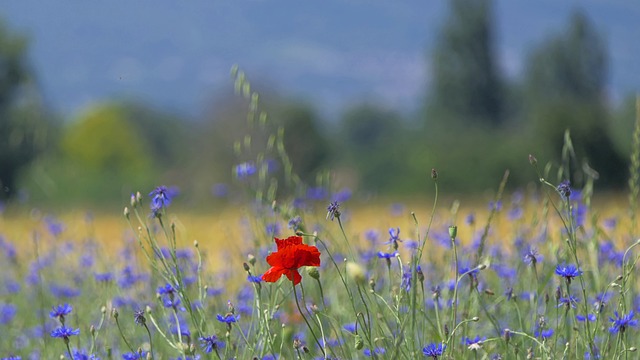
99	99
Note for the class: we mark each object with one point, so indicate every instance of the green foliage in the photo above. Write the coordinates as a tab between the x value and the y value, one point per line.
23	126
306	145
371	138
565	85
103	140
467	85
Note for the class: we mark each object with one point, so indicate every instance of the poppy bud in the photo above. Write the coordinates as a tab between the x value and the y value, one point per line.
126	212
453	231
114	313
246	267
359	343
252	259
313	272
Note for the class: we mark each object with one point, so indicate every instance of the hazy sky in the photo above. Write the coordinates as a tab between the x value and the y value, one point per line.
177	55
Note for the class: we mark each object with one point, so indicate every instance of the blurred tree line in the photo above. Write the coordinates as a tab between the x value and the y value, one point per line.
474	124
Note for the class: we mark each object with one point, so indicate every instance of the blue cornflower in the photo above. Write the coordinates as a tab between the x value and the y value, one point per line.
210	343
342	195
394	237
372	235
103	277
621	323
333	210
11	357
245	170
167	289
351	327
7	313
564	189
317	193
273	229
470	219
227	319
434	350
405	283
171	302
254	279
568	272
55	227
569	301
384	255
531	256
59	312
135	355
294	223
161	198
138	317
379	351
82	355
64	332
473	343
589	317
545	334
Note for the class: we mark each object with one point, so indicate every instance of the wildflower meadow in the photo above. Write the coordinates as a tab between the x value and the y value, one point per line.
538	273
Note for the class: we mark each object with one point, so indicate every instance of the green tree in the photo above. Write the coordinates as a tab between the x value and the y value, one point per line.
306	146
565	89
375	146
23	128
467	86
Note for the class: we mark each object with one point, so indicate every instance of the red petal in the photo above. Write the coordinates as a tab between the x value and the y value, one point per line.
290	241
306	255
294	276
273	274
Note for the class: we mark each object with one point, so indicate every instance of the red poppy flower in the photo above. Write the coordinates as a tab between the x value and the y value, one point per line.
291	255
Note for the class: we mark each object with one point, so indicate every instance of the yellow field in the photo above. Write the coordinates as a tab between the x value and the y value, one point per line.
222	234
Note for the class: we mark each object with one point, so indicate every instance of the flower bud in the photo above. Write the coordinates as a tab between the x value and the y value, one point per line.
453	231
434	174
251	259
313	272
532	160
114	313
359	343
246	267
356	272
126	212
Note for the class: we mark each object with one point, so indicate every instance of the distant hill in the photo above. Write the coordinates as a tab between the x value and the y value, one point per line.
176	55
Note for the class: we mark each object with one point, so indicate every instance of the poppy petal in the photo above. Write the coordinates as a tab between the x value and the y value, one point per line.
294	276
306	255
273	274
290	241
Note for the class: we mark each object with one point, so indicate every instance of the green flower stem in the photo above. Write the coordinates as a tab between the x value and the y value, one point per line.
295	296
